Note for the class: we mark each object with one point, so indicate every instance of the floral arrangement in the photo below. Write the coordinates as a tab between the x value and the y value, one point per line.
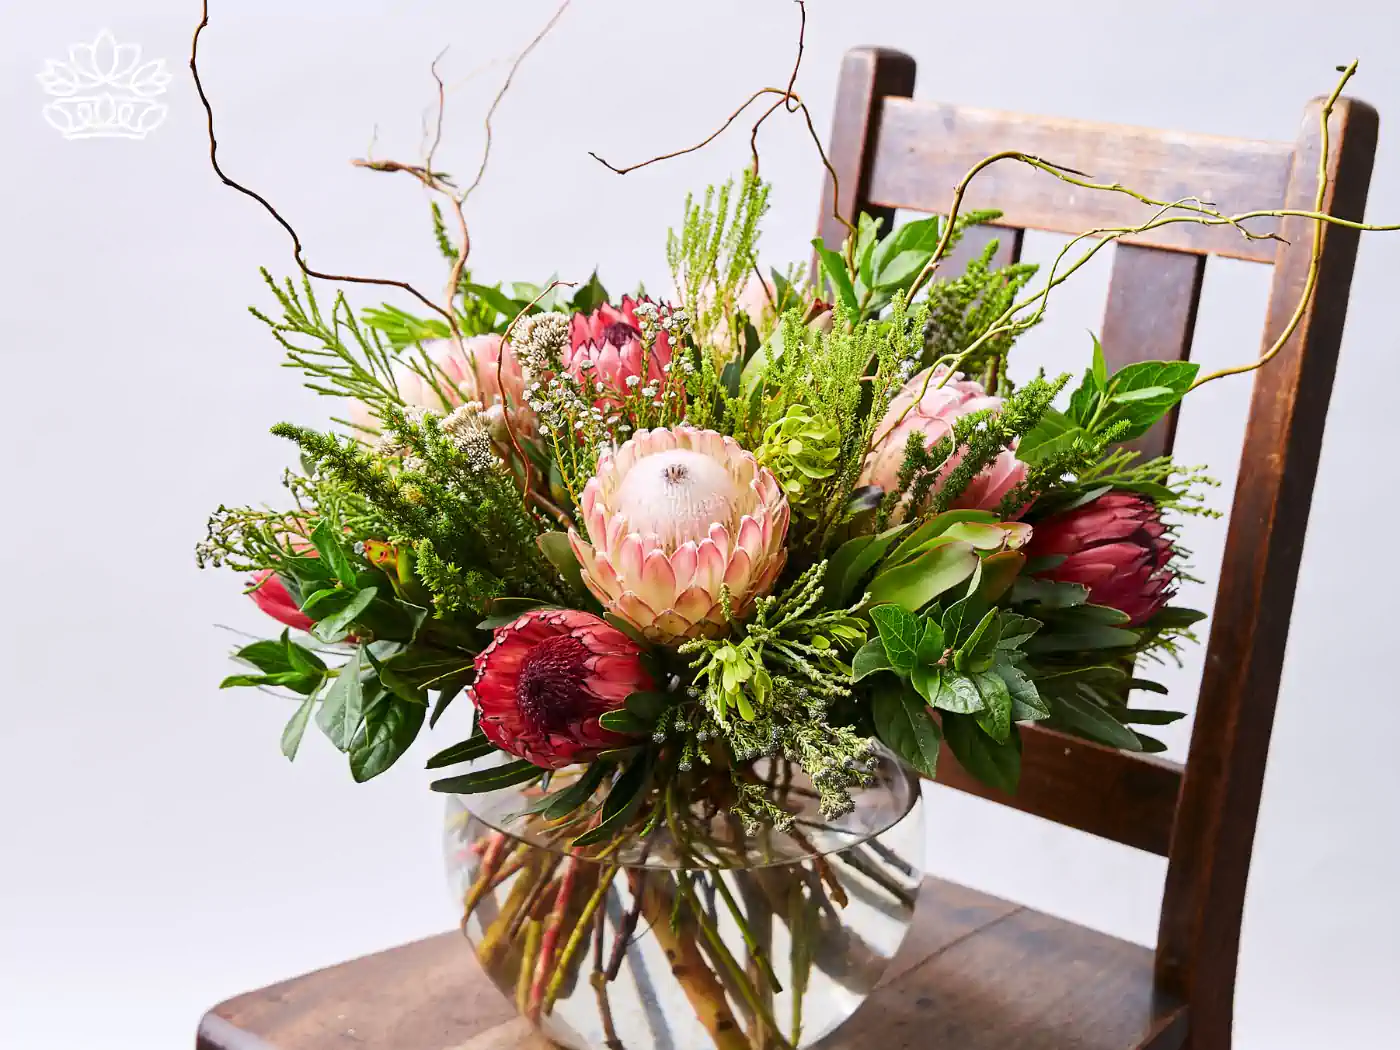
764	528
759	516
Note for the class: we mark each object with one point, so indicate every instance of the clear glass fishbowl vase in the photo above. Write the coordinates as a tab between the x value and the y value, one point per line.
693	932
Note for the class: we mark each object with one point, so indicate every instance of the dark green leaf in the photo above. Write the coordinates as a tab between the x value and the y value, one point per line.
899	632
1174	618
995	718
905	725
1054	434
624	722
1026	702
1144	716
391	725
303	659
270	657
501	611
1087	719
326	536
852	560
588	298
1150	744
469	750
649	706
961	618
1016	630
927	680
1130	401
293	680
839	277
957	693
997	765
977	653
296	727
555	546
924	577
1073	638
1148	686
445	697
1048	594
931	643
502	776
343	707
396	683
871	657
335	626
561	803
622	802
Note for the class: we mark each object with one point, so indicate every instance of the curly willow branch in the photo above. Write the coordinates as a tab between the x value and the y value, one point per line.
298	252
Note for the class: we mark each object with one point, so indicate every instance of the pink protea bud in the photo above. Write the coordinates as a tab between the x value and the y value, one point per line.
270	595
607	347
546	679
932	416
1116	546
672	516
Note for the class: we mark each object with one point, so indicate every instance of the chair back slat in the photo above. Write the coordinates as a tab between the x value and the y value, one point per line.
907	154
1151	316
923	149
974	242
1112	794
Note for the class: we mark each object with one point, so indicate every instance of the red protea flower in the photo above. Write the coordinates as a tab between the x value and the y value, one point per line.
546	679
606	347
272	597
1116	546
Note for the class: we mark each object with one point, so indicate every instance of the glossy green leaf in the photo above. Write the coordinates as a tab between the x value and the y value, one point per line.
1027	705
334	627
625	722
622	802
904	724
852	560
391	726
327	538
995	716
1085	718
555	546
1142	393
997	765
1016	630
502	776
343	707
870	658
926	576
1053	435
936	526
561	803
957	693
977	653
469	750
1144	716
445	697
899	633
296	727
834	266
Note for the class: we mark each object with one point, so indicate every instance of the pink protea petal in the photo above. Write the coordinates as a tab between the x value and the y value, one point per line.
657	583
709	566
736	576
616	533
637	612
694	603
670	626
683	563
583	552
630	557
719	536
604	596
750	537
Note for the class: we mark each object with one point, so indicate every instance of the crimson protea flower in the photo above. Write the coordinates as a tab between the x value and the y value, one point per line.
1116	546
606	347
932	415
546	679
270	595
671	516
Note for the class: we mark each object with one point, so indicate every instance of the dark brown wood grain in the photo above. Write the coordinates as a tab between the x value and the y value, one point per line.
1214	834
975	973
922	150
1127	798
869	75
1151	316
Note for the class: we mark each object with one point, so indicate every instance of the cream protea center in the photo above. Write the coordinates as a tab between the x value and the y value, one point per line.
672	517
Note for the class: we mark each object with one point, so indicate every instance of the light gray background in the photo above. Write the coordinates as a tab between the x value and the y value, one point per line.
157	854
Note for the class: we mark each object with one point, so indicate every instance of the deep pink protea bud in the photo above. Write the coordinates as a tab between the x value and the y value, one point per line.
607	347
272	597
1116	546
546	679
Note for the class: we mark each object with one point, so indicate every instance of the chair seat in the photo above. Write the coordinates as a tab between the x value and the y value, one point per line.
975	973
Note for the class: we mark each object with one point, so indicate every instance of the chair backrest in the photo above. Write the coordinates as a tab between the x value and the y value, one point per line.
891	152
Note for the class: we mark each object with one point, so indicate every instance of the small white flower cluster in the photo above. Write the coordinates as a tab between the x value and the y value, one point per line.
467	429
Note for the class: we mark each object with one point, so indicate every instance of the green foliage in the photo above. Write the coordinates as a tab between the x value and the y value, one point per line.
963	309
800	449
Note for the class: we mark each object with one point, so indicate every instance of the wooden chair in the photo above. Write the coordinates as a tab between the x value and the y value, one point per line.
978	973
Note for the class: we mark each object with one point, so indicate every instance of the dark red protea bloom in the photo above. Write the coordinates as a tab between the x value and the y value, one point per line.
546	679
273	598
1116	546
606	347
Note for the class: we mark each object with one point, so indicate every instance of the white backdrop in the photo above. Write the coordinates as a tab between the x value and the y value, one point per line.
158	852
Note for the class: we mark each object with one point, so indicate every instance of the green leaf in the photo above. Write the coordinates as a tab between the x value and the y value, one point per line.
999	574
326	537
1087	719
622	802
1142	393
564	801
343	707
1148	686
397	683
1050	437
335	626
588	298
469	750
919	237
924	577
840	278
624	722
391	726
1150	744
1060	638
502	776
852	560
1084	402
293	680
1026	702
649	706
501	611
555	546
1016	630
1147	393
982	537
1145	716
445	697
977	653
269	657
905	725
997	765
868	236
1048	594
961	618
899	633
296	727
958	694
927	680
995	718
498	300
935	526
303	659
1099	370
900	271
870	658
928	670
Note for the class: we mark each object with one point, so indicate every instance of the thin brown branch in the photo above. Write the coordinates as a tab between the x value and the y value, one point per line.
801	46
298	252
510	77
441	110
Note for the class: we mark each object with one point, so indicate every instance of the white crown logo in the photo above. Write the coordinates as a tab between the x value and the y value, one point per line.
105	91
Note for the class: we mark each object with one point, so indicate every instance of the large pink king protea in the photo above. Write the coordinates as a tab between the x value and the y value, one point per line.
672	515
546	679
932	415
